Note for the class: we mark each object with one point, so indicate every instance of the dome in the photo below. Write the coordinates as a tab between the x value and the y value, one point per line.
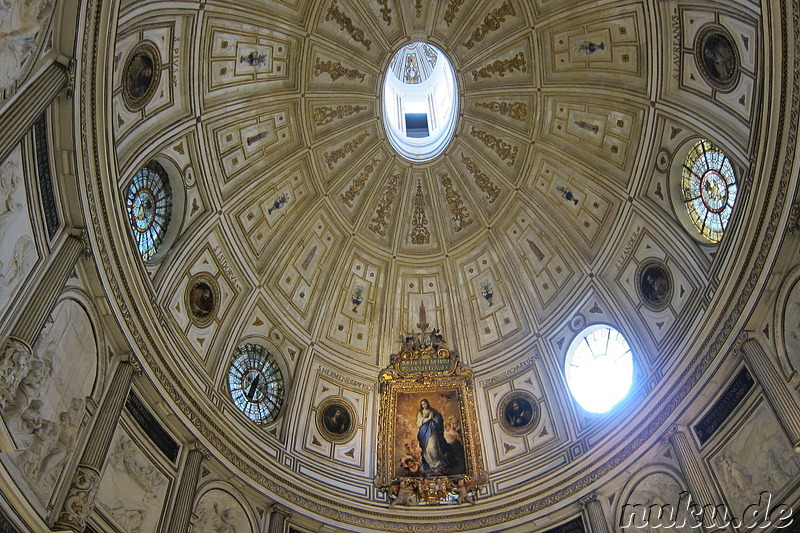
316	229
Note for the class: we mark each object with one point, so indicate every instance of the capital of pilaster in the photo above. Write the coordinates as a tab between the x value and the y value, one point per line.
280	509
587	500
79	503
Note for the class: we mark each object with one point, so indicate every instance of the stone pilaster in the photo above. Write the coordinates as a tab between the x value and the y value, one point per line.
278	517
18	117
187	490
594	513
692	472
39	301
780	396
41	298
79	503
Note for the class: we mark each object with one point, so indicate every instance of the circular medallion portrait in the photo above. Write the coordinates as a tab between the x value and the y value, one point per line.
201	299
335	419
654	284
141	75
717	57
518	412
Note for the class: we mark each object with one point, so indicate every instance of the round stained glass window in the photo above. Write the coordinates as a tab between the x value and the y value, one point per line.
256	383
708	186
149	204
599	368
420	101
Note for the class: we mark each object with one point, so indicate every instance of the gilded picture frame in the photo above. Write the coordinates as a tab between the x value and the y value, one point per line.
429	449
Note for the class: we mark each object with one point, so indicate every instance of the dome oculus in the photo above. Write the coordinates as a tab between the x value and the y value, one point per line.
708	187
420	101
599	368
149	205
256	383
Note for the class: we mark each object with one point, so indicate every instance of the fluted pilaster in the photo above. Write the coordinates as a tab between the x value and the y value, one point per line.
186	491
687	460
18	117
80	498
594	513
278	518
780	396
40	299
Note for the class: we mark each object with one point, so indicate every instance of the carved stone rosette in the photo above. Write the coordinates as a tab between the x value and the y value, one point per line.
79	503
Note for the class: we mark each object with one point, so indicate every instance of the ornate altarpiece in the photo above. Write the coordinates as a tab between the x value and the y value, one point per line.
429	449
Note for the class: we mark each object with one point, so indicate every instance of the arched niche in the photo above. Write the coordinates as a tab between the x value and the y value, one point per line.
218	508
787	324
46	411
659	486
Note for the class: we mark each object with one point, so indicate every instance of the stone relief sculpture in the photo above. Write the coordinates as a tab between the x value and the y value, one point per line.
17	259
662	490
219	511
791	327
21	25
758	457
42	395
132	488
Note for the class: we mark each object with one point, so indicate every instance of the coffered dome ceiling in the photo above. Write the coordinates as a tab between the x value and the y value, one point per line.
321	242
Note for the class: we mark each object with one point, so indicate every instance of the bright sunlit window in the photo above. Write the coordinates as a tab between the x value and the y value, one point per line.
420	101
599	368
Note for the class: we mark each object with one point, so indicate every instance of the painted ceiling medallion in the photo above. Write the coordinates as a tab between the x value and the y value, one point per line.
518	412
336	419
717	57
654	284
201	299
141	75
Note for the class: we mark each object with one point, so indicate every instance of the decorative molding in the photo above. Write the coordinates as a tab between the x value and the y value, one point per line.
379	223
80	499
491	22
505	151
419	231
325	115
458	212
501	67
335	70
358	183
346	24
347	148
281	510
515	110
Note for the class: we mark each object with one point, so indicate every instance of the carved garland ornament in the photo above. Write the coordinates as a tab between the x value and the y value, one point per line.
505	151
79	503
515	110
358	183
502	67
379	223
346	24
347	148
481	180
419	230
490	23
325	115
336	70
458	212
